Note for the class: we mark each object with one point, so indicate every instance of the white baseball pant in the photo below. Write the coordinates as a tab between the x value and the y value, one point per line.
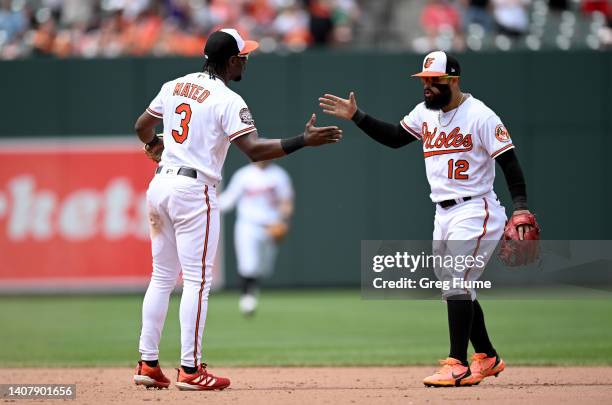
184	225
473	227
255	250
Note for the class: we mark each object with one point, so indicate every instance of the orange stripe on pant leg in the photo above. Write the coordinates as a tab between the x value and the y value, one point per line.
484	226
195	343
484	232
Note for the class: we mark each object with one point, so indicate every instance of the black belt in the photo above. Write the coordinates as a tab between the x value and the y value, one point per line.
183	171
449	203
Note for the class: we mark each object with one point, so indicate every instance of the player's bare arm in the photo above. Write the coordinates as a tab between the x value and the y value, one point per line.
279	230
391	135
258	149
145	129
286	208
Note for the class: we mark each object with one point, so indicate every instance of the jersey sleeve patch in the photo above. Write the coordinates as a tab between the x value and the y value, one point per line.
154	113
246	117
501	133
410	130
502	150
243	131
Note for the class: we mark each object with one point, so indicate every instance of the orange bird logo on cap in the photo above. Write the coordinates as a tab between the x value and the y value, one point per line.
428	62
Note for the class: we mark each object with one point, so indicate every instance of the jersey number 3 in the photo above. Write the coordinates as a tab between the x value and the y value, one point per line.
456	170
184	110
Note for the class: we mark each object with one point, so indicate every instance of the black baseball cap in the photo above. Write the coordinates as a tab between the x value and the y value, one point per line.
223	44
438	64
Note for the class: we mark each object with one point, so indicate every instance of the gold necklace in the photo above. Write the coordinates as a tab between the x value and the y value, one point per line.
453	117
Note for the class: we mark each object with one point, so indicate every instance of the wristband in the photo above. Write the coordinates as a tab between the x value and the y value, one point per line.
290	145
520	203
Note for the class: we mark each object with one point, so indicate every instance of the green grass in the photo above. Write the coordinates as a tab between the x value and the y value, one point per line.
327	327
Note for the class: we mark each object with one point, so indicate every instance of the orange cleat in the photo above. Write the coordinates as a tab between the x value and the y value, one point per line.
483	366
452	374
150	377
201	380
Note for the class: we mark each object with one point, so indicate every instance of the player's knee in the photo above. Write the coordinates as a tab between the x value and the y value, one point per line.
163	278
195	279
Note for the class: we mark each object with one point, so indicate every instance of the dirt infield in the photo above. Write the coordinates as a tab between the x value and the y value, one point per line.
333	385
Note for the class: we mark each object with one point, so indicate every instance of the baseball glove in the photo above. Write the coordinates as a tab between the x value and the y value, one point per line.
515	252
278	231
154	149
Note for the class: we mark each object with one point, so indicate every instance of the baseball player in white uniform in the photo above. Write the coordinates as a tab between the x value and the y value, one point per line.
462	139
263	194
201	116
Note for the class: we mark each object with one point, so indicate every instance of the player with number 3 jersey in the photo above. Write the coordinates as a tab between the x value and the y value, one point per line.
201	117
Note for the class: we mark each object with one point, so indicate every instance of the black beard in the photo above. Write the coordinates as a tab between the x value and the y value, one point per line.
237	79
438	101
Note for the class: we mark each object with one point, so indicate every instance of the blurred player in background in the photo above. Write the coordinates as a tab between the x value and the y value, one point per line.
264	196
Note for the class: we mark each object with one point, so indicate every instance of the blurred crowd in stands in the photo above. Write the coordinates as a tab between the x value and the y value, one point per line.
111	28
469	23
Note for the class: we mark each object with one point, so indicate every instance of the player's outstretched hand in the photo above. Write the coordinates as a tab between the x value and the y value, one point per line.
315	136
339	107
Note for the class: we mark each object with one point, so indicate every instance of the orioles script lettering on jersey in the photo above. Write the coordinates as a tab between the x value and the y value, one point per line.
192	91
451	142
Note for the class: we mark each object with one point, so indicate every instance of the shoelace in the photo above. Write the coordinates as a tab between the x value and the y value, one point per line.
202	369
478	362
446	364
199	370
479	356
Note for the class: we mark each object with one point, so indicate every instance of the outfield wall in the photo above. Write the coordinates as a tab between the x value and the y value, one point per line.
73	216
556	105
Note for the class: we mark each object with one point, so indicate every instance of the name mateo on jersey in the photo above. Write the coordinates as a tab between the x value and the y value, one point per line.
445	142
192	91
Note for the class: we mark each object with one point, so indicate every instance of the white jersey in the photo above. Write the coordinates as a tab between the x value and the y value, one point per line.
201	117
459	155
257	192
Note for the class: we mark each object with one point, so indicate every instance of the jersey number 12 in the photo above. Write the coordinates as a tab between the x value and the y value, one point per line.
185	119
456	170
